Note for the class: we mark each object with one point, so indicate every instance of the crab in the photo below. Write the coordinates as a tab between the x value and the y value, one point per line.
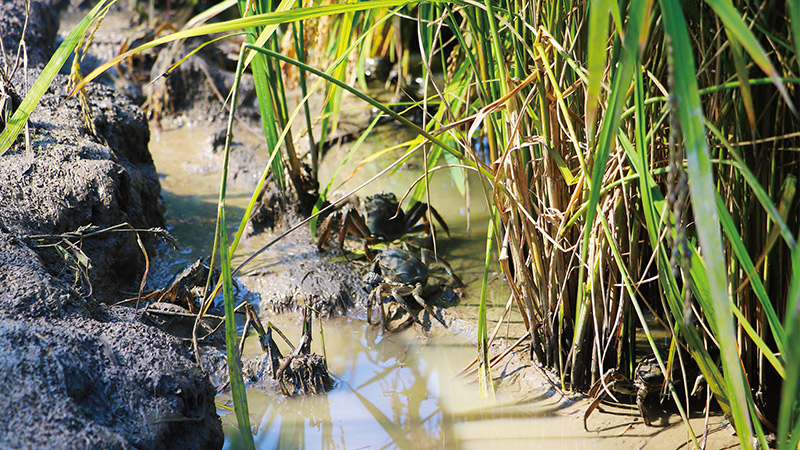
186	289
382	221
648	376
399	273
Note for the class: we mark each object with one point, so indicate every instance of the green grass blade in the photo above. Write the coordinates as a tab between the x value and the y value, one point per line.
703	194
794	24
234	360
788	420
484	371
596	61
736	28
17	123
231	336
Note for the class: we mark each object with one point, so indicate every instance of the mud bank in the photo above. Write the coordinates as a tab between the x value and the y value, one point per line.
75	372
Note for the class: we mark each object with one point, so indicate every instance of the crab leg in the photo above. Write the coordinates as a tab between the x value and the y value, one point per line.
374	296
416	294
592	407
640	395
325	230
417	212
613	380
427	256
353	223
405	306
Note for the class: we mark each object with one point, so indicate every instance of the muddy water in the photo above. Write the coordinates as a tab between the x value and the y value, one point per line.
402	390
392	391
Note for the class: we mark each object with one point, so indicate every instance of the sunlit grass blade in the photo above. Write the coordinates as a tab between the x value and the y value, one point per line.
17	123
789	418
596	61
703	194
737	29
484	371
238	392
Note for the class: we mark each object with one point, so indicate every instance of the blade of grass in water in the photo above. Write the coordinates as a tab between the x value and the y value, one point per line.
234	360
238	392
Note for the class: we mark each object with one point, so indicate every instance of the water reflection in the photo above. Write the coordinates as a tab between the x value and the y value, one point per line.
387	395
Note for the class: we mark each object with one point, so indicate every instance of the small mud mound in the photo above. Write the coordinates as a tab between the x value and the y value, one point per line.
198	86
303	374
294	273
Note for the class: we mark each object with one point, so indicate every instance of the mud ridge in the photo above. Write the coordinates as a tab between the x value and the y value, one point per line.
75	372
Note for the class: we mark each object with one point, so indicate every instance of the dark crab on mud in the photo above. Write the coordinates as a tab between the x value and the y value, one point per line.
647	377
186	289
398	274
382	220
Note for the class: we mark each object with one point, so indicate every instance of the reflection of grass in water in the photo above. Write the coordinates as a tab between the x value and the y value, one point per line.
383	374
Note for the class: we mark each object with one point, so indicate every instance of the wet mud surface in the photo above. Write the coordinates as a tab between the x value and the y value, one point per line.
295	273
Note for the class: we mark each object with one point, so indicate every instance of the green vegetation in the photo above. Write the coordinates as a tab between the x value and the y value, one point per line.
640	158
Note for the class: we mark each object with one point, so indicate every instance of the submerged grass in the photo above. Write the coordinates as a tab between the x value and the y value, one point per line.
641	156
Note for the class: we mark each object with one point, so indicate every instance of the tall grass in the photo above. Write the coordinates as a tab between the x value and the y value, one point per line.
621	189
644	170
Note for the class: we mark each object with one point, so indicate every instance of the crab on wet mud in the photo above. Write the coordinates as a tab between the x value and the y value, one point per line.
381	221
398	274
647	377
